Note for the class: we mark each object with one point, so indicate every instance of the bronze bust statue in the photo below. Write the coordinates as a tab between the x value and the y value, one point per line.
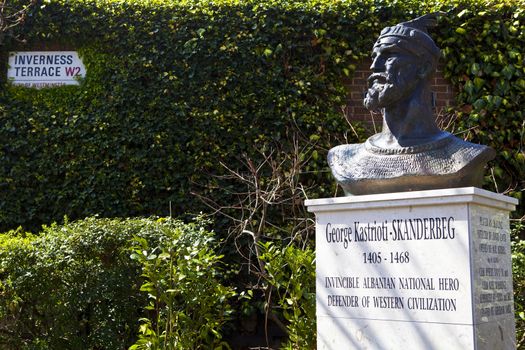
411	153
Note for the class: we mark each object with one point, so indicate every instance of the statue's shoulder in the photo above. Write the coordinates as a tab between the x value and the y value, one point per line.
465	151
343	153
343	149
347	162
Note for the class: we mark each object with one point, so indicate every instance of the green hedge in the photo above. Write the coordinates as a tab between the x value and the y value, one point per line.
175	89
86	285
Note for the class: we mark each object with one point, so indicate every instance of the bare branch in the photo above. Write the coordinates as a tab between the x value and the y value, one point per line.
11	17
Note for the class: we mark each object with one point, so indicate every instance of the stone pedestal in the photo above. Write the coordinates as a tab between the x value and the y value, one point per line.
414	270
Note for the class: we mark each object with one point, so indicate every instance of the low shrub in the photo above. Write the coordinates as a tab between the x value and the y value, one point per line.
187	304
290	273
81	285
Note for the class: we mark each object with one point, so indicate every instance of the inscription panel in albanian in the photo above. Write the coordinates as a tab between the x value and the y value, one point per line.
409	264
492	264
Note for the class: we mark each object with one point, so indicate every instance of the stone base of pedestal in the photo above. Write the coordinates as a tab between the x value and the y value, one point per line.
415	270
347	333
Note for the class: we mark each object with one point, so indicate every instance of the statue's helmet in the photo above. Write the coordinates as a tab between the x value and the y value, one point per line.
413	37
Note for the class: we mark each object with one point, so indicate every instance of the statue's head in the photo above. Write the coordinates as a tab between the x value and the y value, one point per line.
404	56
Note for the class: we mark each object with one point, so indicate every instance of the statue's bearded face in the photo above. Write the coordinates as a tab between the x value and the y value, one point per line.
394	75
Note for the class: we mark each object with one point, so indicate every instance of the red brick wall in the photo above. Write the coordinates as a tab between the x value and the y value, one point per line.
357	86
